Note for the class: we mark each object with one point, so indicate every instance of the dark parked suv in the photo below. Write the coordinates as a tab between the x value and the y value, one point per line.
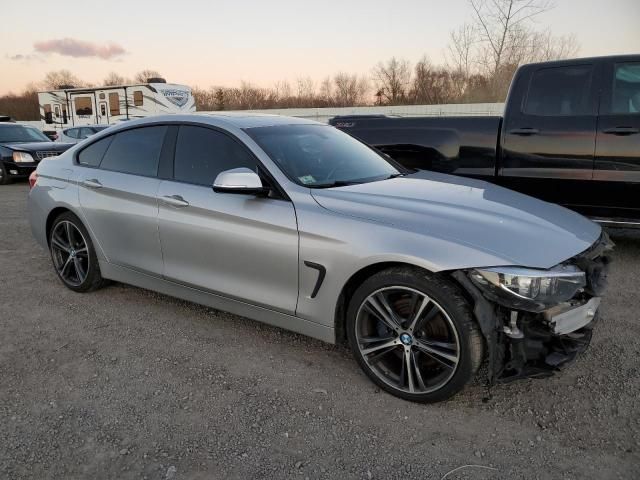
21	149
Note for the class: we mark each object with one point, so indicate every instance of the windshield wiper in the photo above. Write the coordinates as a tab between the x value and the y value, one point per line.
337	183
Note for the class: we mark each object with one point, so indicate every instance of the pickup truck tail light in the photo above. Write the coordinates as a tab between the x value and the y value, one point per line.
33	179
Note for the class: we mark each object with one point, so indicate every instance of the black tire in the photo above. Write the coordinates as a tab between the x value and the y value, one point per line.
5	179
92	280
452	310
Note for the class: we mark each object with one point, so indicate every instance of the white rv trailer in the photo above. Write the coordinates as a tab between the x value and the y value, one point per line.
107	105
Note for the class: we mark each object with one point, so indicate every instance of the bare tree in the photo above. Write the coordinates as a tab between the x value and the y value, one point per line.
58	78
326	92
114	78
392	78
501	26
349	89
144	75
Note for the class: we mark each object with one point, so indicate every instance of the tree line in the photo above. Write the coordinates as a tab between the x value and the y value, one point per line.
481	58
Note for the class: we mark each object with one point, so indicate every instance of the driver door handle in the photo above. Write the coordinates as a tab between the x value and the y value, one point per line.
524	131
92	183
175	201
622	130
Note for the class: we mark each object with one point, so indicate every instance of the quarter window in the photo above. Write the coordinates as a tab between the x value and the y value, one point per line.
92	155
138	99
114	104
560	91
84	105
202	153
135	151
626	88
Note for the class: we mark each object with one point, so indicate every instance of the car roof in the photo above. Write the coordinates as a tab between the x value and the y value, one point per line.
223	119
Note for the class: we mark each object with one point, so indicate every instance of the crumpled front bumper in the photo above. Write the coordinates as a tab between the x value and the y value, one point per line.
524	344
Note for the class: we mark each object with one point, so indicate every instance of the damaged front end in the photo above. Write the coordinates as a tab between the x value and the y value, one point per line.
536	321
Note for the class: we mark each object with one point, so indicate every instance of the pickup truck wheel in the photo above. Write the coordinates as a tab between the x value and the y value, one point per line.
4	176
413	334
74	258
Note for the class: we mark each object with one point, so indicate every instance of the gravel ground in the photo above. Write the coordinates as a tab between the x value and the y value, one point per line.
125	383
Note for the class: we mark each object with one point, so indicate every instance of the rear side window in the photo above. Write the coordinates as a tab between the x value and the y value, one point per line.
626	88
202	153
135	151
72	132
92	155
560	91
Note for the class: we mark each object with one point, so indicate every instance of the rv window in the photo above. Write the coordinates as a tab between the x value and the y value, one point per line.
137	98
56	110
64	114
114	103
84	105
47	113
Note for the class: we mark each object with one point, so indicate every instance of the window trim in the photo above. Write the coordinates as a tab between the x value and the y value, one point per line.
593	103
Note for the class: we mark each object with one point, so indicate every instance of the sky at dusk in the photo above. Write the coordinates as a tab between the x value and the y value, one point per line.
219	42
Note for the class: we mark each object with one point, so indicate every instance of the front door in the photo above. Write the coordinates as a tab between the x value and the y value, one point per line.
549	139
118	196
84	108
241	246
617	166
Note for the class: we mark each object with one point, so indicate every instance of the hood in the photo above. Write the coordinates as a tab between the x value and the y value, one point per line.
520	229
39	146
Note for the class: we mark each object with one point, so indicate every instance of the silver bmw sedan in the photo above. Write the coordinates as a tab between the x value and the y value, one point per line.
296	224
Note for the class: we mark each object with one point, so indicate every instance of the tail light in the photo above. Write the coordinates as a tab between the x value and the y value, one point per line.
33	179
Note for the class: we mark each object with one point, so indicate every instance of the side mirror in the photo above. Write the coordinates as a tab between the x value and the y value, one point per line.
239	180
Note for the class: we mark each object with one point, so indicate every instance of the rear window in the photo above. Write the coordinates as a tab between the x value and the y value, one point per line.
560	91
135	151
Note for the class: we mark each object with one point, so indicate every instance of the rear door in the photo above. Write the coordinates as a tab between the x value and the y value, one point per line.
241	246
118	195
617	163
549	134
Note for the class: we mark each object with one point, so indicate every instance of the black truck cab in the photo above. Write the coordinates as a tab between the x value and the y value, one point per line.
570	135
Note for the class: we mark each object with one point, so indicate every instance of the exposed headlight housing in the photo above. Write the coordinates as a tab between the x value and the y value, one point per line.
22	157
527	288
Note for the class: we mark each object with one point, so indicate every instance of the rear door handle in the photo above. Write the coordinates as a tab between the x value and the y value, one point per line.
175	201
524	131
92	183
621	130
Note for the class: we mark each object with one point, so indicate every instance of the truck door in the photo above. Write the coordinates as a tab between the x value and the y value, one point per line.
617	163
548	136
83	106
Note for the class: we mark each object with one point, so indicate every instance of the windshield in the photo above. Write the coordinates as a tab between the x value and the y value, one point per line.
321	156
20	133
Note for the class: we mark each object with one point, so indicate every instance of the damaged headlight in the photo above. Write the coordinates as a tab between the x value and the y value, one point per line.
527	288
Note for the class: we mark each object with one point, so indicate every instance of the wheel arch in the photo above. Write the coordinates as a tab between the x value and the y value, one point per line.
353	283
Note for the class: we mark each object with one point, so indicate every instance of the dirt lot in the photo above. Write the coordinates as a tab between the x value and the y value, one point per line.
125	383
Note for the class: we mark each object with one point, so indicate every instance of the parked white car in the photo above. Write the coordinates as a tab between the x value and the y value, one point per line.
77	134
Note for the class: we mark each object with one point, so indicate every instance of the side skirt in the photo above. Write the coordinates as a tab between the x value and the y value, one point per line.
261	314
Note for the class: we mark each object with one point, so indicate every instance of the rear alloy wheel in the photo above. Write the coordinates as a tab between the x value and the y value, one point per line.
73	256
414	335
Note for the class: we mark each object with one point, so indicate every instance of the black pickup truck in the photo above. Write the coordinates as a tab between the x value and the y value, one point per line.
570	135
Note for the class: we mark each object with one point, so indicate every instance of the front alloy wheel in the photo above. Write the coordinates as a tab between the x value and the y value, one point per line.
413	335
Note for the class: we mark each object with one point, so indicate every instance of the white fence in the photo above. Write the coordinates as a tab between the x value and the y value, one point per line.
324	114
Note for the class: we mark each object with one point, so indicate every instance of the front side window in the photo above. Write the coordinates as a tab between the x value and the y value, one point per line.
321	156
92	155
135	151
202	153
84	105
138	99
626	88
560	91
